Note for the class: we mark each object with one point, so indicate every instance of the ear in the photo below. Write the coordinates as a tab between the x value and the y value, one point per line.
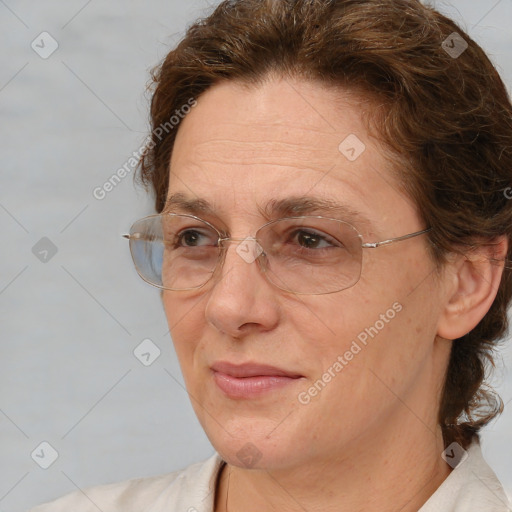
472	282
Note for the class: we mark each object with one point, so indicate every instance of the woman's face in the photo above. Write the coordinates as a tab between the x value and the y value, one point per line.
349	367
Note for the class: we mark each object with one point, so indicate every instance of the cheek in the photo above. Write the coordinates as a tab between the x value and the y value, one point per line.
371	353
185	319
386	322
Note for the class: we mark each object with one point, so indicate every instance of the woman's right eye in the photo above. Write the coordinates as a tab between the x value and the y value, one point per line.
195	238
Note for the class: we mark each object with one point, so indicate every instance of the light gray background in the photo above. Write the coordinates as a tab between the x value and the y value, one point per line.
69	326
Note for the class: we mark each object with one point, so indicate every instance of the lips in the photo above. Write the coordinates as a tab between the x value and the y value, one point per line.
250	380
251	370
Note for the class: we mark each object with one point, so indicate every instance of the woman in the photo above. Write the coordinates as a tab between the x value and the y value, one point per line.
332	245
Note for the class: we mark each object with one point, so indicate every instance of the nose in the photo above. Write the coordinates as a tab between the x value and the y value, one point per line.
241	296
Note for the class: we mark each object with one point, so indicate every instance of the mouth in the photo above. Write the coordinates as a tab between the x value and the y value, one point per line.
251	380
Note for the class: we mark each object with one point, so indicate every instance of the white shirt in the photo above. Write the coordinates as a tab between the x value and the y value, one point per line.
471	487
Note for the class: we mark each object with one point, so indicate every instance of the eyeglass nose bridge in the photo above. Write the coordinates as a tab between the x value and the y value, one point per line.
223	240
230	239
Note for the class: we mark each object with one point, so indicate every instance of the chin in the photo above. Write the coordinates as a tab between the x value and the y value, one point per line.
252	443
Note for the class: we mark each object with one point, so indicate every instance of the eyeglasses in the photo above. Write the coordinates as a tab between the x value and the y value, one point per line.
310	255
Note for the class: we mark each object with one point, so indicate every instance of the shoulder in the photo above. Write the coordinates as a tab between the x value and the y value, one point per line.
191	485
472	485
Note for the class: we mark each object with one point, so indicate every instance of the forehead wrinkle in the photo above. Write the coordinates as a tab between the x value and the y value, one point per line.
261	125
268	152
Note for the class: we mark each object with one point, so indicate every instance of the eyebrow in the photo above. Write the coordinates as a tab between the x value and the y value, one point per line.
275	208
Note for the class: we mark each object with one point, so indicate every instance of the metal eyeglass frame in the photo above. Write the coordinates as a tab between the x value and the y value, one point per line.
221	239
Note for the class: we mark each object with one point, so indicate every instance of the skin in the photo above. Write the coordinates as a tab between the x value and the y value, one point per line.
369	440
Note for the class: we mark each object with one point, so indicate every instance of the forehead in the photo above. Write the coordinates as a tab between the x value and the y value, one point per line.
244	148
298	117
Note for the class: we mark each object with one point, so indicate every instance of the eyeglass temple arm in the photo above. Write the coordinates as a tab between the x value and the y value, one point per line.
374	245
136	236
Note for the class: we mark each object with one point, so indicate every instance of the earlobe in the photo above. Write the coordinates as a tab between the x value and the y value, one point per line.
472	283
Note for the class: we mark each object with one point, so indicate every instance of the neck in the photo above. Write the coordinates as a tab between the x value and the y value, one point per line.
380	473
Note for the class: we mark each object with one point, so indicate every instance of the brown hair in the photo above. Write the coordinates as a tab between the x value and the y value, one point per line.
446	118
